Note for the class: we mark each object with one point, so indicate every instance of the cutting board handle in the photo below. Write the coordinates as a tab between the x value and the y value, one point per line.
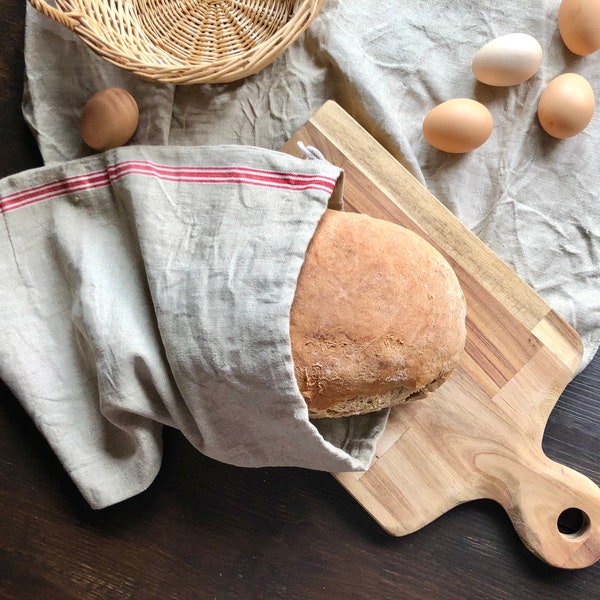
554	509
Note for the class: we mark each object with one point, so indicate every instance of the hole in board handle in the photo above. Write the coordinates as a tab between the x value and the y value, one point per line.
573	523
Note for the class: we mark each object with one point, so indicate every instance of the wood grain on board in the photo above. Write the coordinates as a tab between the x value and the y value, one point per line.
480	434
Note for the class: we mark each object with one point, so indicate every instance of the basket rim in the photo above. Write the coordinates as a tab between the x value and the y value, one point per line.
225	69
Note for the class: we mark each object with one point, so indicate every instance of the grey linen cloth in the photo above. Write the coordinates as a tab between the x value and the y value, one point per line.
151	286
533	200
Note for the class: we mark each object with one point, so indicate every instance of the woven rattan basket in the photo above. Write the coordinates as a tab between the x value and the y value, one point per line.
185	41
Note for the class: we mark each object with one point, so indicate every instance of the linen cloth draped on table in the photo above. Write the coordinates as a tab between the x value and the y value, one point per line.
532	199
152	286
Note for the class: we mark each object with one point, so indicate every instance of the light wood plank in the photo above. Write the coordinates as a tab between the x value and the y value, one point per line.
479	435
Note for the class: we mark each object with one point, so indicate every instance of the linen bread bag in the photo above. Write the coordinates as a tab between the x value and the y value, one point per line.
196	288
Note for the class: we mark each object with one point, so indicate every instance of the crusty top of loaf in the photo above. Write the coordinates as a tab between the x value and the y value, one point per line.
377	309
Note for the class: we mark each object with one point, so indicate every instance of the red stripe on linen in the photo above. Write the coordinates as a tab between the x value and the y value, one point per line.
193	175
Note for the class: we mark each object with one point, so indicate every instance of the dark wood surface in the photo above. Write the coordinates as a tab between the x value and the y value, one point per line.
206	530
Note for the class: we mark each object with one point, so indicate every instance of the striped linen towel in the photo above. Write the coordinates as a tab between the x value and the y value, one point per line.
151	286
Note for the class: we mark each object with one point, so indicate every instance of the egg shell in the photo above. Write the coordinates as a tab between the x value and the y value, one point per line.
579	25
109	119
507	60
566	106
458	125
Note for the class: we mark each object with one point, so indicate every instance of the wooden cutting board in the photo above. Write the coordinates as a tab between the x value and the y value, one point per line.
480	434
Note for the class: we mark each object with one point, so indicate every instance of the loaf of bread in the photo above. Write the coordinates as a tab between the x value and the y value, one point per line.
378	317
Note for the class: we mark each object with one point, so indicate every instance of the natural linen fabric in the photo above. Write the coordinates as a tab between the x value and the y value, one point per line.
152	286
532	199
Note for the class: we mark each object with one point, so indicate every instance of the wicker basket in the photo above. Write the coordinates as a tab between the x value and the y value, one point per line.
185	41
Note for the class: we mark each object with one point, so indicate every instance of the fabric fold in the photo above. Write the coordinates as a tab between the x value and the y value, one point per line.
152	286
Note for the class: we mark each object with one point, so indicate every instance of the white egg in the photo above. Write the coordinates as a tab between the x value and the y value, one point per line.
508	60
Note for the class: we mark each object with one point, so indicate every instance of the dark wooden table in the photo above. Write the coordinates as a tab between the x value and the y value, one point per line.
206	530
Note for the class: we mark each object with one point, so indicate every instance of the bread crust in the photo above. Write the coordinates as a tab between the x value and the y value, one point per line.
378	317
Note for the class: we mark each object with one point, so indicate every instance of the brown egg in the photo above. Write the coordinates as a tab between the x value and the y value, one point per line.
566	106
579	25
458	125
109	119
